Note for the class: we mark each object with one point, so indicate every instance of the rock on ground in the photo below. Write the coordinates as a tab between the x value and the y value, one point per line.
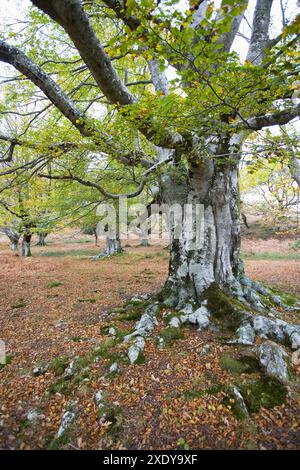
273	360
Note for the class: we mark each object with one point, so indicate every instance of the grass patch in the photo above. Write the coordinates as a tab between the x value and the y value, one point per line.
84	252
129	316
20	304
81	368
8	360
170	334
91	301
263	392
59	365
246	364
54	284
59	442
192	394
77	339
270	256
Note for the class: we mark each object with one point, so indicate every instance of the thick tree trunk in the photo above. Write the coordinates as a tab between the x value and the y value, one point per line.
113	245
26	244
144	235
42	239
216	259
13	236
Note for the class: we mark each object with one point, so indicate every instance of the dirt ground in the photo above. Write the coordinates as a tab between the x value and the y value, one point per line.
55	305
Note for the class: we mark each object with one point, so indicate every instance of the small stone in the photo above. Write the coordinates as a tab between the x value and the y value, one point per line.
133	354
67	418
295	340
70	369
39	370
240	403
99	398
33	415
112	331
205	350
277	300
174	322
114	368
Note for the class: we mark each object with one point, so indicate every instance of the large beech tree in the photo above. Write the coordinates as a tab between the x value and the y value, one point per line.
188	132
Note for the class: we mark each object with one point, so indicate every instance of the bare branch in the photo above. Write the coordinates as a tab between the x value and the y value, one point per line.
105	193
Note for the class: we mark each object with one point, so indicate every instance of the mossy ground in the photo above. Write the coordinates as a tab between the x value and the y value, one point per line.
170	334
263	393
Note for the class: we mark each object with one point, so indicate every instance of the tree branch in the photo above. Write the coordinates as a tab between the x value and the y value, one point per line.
71	16
273	119
42	80
99	188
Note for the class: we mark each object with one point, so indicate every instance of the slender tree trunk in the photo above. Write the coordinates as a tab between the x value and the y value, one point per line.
26	244
42	239
96	238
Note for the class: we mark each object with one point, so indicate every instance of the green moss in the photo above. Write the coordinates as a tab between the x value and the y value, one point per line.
62	386
228	310
170	315
170	334
263	392
193	393
76	339
20	304
8	360
130	316
59	365
245	364
140	359
59	442
54	284
215	389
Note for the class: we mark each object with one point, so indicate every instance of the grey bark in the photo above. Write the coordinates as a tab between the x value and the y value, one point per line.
260	31
13	236
42	239
216	260
294	167
26	244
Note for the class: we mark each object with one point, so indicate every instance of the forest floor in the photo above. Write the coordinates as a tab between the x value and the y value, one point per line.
54	307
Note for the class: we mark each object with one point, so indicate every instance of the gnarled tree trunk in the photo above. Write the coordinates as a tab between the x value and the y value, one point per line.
215	258
13	236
